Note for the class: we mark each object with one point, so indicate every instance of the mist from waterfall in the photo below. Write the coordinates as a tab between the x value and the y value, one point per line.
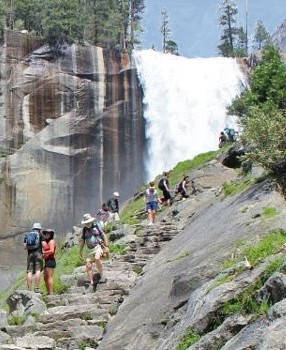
185	105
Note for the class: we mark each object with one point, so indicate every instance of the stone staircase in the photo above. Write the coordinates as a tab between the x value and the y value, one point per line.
77	319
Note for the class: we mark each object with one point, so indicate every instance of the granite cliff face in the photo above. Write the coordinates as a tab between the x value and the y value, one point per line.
71	132
279	37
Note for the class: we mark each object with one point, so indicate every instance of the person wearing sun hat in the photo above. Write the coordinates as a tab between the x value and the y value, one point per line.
49	250
33	244
95	240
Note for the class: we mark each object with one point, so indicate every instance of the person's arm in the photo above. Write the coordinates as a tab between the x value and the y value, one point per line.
81	245
166	184
105	239
25	243
184	185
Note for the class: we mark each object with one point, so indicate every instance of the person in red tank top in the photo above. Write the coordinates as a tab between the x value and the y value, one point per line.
49	250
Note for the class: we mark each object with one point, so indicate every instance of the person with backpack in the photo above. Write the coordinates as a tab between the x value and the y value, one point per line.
96	242
183	186
49	250
33	244
222	140
103	215
113	207
152	202
165	188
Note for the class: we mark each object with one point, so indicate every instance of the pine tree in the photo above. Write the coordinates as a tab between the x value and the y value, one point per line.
169	45
261	36
230	30
165	30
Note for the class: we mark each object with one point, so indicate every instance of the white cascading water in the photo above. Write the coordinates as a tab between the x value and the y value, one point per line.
185	104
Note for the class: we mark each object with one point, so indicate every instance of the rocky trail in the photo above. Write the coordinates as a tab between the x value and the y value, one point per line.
77	318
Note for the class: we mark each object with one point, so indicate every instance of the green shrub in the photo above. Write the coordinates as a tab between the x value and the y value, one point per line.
269	212
189	339
118	249
16	320
233	187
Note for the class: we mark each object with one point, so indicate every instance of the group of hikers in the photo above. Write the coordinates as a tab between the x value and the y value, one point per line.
227	135
41	247
153	201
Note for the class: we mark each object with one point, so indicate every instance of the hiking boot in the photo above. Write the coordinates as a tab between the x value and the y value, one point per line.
37	290
102	280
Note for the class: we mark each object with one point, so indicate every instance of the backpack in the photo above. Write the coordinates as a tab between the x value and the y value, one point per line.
33	240
93	236
161	185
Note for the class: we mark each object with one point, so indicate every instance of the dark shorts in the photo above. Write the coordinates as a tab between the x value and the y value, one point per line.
166	194
34	262
50	263
152	205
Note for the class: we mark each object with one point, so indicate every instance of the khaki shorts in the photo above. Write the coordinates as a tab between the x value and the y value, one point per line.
94	253
34	262
113	217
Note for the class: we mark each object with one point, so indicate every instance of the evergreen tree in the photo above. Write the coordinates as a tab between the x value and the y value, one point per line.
165	30
169	46
28	15
261	35
240	44
107	23
230	30
62	21
261	109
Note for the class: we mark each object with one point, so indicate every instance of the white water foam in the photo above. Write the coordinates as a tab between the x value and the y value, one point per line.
185	104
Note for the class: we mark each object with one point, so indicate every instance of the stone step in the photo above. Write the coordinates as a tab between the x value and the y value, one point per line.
66	312
101	298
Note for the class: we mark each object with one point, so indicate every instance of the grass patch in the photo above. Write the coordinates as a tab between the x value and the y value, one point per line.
16	320
269	212
186	166
220	281
268	245
237	186
118	249
131	213
189	339
246	303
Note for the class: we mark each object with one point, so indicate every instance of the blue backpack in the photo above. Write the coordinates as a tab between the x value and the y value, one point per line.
32	240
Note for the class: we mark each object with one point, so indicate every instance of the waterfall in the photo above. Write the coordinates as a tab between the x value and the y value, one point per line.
185	104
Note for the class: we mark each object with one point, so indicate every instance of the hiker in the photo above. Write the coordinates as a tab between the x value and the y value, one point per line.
96	241
165	188
33	244
113	207
229	132
152	202
49	250
103	215
183	187
222	139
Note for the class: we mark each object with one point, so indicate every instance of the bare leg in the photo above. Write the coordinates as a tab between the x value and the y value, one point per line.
37	278
153	216
29	280
99	266
49	280
150	216
89	271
